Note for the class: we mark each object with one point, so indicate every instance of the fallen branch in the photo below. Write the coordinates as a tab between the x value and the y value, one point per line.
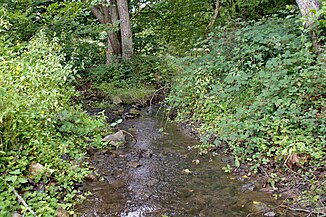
21	200
132	136
154	94
212	22
321	213
310	212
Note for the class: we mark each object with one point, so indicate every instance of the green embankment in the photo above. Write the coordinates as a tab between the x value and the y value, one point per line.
44	132
257	91
43	135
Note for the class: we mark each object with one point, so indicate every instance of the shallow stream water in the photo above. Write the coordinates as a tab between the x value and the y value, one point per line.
160	175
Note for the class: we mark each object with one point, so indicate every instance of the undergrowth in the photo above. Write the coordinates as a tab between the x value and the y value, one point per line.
257	89
134	81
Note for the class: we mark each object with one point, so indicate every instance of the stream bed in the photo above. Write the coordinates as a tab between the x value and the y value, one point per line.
160	175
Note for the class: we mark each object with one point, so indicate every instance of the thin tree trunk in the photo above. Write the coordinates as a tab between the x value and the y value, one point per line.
217	10
109	52
114	11
125	28
115	37
115	43
306	6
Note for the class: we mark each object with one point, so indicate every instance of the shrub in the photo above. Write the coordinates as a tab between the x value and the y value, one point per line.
140	71
260	89
39	124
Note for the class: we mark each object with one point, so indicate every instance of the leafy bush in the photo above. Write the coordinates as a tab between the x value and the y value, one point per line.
257	87
140	71
70	22
38	124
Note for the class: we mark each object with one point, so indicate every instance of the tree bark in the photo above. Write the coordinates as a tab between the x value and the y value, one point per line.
125	28
217	10
104	15
115	37
306	6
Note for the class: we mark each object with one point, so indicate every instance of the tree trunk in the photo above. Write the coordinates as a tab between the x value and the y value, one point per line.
114	11
109	52
103	14
118	43
217	10
125	28
306	6
115	36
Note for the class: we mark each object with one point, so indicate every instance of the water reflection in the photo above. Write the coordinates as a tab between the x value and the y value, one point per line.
154	183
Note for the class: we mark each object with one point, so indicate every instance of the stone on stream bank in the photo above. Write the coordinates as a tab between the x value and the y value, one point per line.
260	207
36	169
134	111
62	213
91	177
250	186
117	139
116	100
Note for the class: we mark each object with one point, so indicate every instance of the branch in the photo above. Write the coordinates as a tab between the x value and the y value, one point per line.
139	11
314	211
98	14
21	200
150	102
217	10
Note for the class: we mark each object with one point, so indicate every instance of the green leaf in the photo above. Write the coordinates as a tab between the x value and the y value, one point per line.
11	178
15	172
236	162
22	180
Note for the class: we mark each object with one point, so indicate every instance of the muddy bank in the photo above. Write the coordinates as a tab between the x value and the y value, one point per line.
161	175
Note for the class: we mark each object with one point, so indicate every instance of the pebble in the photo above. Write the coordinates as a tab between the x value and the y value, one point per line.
62	213
134	164
134	111
91	177
248	187
270	214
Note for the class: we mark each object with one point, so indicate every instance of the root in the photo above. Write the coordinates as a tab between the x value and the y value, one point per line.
132	136
154	94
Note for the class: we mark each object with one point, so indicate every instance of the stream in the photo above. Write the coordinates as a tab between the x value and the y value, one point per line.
160	175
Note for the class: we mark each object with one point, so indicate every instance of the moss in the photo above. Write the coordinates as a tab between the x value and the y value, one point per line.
111	95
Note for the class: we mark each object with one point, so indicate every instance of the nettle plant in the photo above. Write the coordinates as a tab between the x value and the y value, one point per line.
39	125
257	87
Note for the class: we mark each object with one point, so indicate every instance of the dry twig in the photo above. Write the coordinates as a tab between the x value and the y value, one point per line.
21	200
315	211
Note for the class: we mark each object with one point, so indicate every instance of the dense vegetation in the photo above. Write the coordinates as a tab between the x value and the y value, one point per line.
43	134
258	95
40	125
253	87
